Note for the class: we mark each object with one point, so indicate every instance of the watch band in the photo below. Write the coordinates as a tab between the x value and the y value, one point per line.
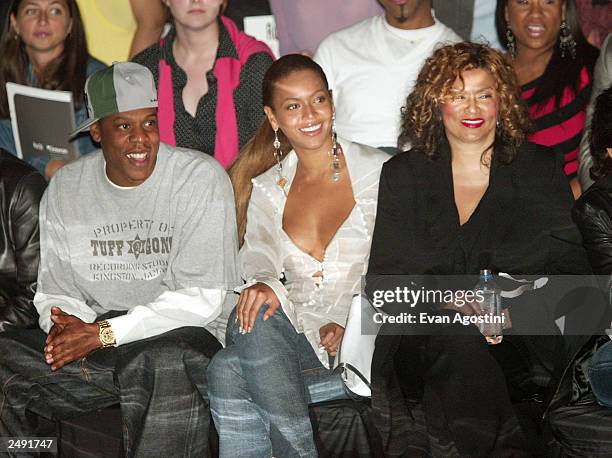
106	334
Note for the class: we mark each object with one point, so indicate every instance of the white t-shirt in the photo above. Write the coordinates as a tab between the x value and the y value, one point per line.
164	251
371	68
483	26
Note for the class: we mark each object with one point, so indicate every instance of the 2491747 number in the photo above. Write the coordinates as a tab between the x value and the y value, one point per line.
28	444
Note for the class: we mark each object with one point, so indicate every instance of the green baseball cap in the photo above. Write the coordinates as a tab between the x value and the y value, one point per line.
124	86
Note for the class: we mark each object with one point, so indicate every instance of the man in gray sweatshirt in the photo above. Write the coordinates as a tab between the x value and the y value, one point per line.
138	245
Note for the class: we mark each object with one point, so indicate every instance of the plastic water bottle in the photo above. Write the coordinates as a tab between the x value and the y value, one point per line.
489	299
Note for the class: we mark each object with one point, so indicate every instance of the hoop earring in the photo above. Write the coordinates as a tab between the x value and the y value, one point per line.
567	44
281	181
511	41
335	164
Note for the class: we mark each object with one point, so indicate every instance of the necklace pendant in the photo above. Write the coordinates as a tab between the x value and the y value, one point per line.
282	181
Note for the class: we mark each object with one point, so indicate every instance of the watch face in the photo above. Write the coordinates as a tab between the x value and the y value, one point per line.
107	337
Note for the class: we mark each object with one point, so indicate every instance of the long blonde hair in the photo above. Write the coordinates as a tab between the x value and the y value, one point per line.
257	155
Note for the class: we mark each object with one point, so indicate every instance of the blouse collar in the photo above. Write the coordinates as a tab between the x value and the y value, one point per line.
357	170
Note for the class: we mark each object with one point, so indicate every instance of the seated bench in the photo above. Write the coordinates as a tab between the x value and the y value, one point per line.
341	428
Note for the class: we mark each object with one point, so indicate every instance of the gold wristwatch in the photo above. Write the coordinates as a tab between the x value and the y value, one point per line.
107	336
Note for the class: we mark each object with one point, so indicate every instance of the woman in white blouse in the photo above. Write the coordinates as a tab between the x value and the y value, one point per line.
306	205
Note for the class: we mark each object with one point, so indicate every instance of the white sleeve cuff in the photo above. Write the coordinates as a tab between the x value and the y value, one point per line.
171	310
44	302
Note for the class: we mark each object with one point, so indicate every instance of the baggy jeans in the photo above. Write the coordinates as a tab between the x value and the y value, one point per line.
159	383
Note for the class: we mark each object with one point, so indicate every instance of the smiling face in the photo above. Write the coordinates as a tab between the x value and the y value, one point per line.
43	25
469	112
194	14
130	142
535	23
302	109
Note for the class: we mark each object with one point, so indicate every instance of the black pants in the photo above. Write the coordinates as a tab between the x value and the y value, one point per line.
463	388
159	382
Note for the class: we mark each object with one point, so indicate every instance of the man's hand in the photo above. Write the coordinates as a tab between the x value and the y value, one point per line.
56	328
251	300
331	336
69	339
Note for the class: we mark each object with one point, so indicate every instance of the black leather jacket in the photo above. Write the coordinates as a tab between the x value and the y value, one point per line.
21	188
593	215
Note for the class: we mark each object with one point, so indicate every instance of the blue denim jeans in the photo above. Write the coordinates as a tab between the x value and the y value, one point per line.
157	381
600	375
260	386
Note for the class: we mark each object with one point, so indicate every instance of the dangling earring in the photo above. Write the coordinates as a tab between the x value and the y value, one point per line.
335	164
13	33
278	155
566	41
511	41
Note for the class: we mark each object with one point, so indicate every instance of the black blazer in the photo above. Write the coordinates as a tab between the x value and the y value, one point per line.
522	225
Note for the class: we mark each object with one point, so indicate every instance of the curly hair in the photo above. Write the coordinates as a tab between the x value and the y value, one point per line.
600	136
422	125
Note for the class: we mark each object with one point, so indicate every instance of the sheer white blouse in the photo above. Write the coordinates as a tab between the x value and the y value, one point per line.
269	253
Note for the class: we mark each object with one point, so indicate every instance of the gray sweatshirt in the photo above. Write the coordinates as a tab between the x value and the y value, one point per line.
165	250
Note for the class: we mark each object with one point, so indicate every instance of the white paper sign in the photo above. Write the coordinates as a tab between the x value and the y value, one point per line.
264	29
42	121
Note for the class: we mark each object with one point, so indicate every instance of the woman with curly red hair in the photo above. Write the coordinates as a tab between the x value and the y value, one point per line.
471	194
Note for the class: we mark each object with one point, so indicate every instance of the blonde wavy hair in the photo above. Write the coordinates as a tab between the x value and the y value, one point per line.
422	125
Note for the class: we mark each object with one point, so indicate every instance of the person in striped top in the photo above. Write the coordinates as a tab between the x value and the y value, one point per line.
554	66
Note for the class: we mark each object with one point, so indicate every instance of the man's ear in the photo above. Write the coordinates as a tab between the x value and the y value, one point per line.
96	132
271	118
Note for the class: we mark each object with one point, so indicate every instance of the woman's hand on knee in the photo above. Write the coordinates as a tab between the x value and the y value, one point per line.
251	300
331	336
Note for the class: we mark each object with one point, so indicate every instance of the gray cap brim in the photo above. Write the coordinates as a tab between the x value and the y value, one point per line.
122	87
83	127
